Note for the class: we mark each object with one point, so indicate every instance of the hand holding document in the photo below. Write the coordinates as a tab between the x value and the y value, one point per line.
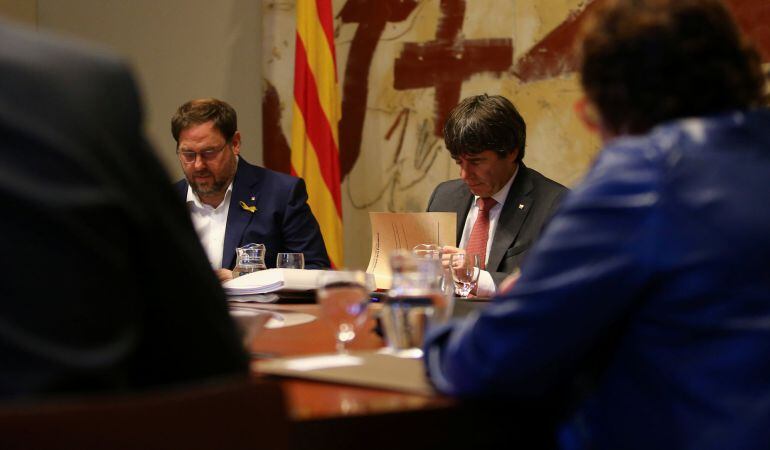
392	231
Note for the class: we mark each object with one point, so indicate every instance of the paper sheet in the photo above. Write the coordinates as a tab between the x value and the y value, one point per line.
391	231
362	368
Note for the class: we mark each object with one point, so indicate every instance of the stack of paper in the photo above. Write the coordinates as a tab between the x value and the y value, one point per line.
272	280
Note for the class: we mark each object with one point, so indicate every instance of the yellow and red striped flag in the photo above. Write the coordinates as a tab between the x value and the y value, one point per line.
314	142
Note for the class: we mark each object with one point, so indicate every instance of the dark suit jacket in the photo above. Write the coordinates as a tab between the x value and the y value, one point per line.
104	283
282	221
531	200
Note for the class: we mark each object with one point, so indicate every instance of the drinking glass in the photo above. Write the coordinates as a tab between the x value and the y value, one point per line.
465	272
344	298
290	261
427	251
417	301
433	252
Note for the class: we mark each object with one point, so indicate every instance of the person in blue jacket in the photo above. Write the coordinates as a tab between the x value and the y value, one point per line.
646	302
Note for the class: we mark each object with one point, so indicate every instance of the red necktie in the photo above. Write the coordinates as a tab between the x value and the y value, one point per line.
480	234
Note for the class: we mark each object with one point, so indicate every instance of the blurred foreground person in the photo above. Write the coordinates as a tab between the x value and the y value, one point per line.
645	306
105	286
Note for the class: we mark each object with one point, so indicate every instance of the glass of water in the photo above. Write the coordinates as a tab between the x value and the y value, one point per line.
344	299
465	272
290	261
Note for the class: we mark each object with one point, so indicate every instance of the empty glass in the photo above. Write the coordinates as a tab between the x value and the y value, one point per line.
465	272
344	299
290	261
249	258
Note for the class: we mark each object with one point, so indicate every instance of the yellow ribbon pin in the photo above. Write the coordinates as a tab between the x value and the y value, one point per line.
250	208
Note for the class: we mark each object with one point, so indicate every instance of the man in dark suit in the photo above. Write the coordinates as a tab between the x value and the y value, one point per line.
644	308
104	284
501	204
233	203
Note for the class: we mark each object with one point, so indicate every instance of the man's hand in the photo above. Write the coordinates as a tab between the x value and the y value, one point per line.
446	252
224	275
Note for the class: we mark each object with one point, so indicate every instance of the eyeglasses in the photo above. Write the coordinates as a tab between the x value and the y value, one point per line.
188	157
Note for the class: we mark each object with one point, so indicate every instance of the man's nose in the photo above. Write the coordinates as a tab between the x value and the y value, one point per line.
199	164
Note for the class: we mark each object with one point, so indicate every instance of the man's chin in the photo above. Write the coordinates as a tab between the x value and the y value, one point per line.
479	190
204	189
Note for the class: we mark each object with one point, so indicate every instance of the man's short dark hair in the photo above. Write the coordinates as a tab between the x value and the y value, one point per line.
202	110
644	62
485	122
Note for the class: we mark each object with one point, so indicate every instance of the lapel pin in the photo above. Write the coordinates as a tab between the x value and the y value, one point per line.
250	208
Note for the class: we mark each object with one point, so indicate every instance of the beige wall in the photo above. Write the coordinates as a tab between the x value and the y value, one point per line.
180	49
24	11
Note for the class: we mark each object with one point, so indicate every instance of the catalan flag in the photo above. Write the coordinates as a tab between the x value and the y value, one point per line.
314	141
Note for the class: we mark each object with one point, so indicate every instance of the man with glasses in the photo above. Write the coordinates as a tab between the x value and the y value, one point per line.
233	203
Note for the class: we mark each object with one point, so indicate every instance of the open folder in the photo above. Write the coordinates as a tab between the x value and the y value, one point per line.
392	231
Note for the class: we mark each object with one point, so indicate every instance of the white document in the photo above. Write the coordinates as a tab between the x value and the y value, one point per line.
391	231
272	280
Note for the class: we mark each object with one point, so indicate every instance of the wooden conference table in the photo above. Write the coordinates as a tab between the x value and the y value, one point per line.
326	415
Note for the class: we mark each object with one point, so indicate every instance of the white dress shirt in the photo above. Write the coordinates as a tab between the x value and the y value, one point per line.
486	285
210	224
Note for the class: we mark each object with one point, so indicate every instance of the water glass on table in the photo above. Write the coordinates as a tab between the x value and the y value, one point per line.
419	299
290	261
465	272
344	300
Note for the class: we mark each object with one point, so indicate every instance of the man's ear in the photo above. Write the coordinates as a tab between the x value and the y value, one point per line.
235	142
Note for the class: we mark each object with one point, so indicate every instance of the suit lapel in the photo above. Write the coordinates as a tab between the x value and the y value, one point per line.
515	210
238	219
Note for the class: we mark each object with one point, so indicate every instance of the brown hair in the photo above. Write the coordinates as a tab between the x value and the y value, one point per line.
485	122
196	112
643	62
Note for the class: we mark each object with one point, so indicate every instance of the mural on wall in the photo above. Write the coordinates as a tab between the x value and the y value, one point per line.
403	64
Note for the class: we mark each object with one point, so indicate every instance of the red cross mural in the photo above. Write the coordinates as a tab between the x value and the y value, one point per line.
371	16
448	60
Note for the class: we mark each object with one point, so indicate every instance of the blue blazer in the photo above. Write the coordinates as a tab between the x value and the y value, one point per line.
647	298
282	220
